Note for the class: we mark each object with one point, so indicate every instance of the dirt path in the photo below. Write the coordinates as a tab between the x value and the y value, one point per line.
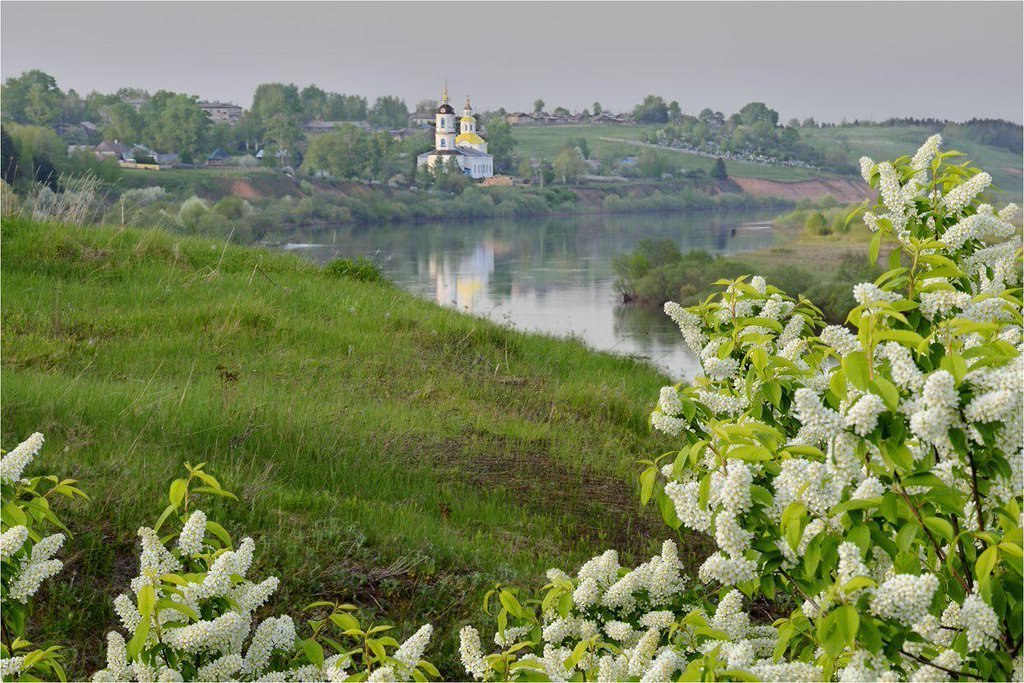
842	189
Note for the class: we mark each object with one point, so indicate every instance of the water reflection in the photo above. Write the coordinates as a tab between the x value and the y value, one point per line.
550	275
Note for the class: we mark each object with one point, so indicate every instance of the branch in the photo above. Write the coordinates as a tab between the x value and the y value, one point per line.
800	590
935	544
974	491
958	674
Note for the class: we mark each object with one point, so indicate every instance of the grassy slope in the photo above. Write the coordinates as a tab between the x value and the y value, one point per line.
546	141
879	142
875	141
384	449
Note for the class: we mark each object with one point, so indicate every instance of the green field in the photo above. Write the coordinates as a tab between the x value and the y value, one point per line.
385	450
546	141
878	142
881	142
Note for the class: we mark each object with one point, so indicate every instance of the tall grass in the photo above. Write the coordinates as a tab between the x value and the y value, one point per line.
386	451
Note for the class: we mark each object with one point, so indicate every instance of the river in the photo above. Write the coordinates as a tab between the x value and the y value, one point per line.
551	275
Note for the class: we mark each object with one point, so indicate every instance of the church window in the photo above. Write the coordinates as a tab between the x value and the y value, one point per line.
442	142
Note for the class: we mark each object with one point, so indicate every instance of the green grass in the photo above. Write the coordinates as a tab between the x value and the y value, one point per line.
880	143
546	141
385	450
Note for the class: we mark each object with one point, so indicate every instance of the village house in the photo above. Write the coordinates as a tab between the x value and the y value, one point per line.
520	118
221	112
112	150
423	119
318	126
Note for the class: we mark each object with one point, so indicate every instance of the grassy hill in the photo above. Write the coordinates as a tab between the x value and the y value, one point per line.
878	142
385	450
883	142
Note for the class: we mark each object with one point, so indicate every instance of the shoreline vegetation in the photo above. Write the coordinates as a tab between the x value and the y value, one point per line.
343	411
829	235
252	204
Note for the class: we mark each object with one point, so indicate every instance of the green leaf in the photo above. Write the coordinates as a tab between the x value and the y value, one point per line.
179	487
509	602
939	526
345	621
876	245
986	562
856	367
848	622
749	452
647	481
888	391
218	531
955	365
314	651
858	582
168	511
147	599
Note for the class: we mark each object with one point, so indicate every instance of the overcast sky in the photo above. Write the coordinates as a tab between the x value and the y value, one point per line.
823	59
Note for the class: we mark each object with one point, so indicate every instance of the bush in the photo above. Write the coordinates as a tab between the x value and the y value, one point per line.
191	611
864	490
191	212
361	269
27	558
815	224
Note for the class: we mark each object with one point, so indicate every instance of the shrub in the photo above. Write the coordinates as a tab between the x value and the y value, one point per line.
360	268
27	559
815	224
864	489
191	212
191	612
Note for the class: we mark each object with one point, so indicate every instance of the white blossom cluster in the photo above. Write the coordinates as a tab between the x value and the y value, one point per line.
225	646
648	633
938	368
13	463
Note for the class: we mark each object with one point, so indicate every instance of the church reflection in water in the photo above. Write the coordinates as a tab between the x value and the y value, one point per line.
551	275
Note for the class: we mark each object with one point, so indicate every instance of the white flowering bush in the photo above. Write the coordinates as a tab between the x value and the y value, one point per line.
191	614
862	483
27	559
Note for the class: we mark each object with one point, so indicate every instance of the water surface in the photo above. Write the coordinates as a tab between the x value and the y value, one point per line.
551	275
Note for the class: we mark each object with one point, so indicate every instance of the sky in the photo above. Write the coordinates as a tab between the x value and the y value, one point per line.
829	60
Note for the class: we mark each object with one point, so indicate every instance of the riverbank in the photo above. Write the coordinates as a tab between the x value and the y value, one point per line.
251	204
386	451
816	253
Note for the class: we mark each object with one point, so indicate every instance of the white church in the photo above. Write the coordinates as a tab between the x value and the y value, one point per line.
464	143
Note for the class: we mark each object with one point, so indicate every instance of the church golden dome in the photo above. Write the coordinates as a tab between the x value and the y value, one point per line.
467	119
469	139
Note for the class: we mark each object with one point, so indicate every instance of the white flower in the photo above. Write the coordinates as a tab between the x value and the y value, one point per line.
727	571
385	674
471	654
220	669
271	634
13	464
866	164
819	423
31	576
905	597
840	339
192	534
12	540
981	623
863	415
411	651
926	153
9	666
867	293
721	369
689	324
686	498
962	195
669	425
669	402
